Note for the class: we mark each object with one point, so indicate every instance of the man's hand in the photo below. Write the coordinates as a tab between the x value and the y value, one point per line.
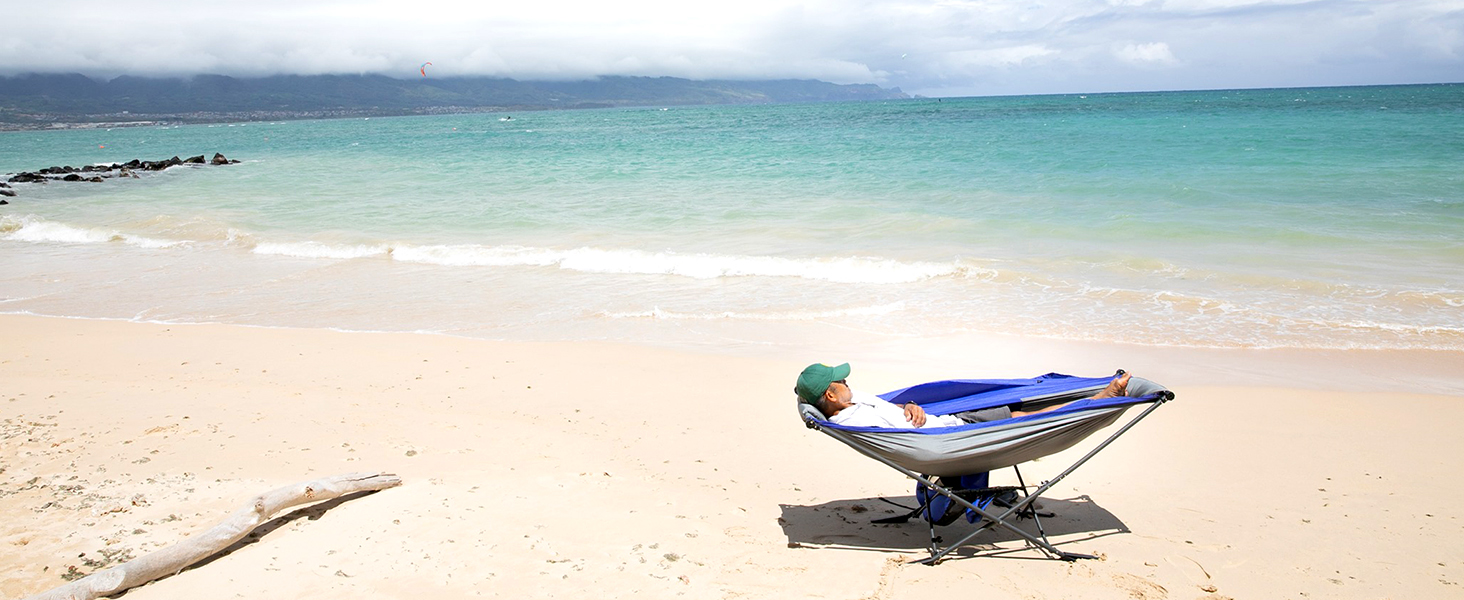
914	414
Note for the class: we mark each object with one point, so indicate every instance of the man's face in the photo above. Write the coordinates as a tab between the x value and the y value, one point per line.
838	396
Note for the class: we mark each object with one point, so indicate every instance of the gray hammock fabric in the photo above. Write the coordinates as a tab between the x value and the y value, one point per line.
981	449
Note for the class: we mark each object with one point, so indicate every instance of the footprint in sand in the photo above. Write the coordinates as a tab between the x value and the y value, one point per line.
1139	587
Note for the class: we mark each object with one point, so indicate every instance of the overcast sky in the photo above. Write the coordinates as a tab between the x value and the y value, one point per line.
933	48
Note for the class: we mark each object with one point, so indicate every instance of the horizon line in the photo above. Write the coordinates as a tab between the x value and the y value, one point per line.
913	95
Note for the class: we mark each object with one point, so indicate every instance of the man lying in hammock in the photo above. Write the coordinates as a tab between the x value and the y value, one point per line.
826	389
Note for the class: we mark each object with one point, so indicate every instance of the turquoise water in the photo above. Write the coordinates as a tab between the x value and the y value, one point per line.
1309	218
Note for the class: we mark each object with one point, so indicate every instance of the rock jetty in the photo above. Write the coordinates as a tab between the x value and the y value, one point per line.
97	173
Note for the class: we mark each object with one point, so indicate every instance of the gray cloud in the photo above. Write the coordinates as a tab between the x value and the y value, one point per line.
951	47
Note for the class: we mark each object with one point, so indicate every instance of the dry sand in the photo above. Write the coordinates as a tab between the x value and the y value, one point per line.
598	470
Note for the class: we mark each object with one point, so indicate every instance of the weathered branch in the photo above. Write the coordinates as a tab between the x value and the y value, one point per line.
177	557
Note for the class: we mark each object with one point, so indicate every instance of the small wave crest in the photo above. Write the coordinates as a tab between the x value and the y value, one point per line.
320	250
1433	298
795	315
196	228
846	269
476	256
32	229
1405	329
146	242
697	266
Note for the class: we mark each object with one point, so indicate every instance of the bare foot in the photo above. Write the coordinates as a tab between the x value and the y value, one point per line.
1116	388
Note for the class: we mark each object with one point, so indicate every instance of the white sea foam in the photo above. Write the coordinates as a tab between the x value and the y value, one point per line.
1401	328
36	230
236	236
697	266
794	315
146	242
479	256
1439	297
319	250
850	269
32	229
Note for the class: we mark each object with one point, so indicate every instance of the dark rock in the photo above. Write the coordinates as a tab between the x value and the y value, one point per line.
10	193
123	170
4	185
4	202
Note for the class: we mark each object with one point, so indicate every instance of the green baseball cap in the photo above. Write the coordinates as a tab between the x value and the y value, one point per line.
815	380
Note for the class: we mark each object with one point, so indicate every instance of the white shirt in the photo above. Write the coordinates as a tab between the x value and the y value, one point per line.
870	410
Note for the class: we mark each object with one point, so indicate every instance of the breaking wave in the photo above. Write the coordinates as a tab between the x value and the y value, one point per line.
32	229
793	315
697	266
841	269
319	250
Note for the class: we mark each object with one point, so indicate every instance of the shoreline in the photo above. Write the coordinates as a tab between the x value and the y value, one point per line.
993	355
540	469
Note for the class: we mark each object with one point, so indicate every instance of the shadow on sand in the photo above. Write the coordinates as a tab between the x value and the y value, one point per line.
313	513
845	524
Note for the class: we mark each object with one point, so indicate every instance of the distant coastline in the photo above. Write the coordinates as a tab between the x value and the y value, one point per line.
56	122
74	101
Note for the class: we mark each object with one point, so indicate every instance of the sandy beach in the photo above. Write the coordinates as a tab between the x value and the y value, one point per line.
592	469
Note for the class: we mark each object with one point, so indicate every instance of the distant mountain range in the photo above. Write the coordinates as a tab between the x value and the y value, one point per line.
51	100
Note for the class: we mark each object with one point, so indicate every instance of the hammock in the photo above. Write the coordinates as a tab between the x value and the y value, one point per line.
976	448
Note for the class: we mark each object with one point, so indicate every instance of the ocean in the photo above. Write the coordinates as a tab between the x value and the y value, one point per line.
1289	218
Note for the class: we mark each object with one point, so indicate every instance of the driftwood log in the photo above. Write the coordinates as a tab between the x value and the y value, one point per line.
177	557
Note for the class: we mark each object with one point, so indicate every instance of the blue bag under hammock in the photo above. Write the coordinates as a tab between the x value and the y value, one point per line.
940	510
